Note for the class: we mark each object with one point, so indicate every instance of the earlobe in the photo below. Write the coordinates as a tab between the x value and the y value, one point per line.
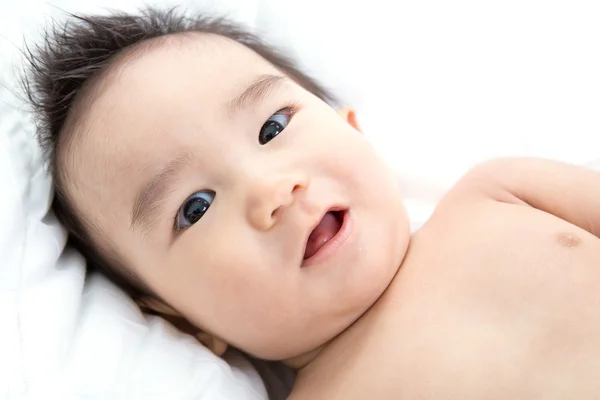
349	116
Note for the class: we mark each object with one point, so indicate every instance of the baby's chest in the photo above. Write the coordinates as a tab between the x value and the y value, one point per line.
504	304
507	252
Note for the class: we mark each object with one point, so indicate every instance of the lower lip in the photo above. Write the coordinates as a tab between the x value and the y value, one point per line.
329	249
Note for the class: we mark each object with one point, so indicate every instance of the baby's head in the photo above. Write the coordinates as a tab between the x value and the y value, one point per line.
192	162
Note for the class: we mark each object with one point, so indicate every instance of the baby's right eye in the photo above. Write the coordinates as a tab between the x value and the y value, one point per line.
193	209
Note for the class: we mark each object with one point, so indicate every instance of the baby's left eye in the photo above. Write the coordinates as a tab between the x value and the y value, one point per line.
274	125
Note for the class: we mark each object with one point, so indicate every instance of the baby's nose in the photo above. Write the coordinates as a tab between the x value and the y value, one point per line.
268	197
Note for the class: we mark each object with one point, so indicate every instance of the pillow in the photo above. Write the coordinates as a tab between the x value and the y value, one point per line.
64	335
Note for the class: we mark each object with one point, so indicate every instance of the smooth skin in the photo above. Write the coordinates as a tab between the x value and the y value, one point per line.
496	297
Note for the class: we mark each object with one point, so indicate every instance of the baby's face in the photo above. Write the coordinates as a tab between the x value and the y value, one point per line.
205	170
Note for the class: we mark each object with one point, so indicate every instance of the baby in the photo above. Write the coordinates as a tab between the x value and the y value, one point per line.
212	179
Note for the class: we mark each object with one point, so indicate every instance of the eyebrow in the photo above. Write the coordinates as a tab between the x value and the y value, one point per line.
255	92
152	197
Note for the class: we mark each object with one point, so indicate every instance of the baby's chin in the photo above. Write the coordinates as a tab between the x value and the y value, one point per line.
298	344
299	357
302	358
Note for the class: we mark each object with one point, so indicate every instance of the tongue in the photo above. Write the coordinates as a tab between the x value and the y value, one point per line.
323	233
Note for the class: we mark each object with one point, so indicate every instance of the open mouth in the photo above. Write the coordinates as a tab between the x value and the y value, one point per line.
325	231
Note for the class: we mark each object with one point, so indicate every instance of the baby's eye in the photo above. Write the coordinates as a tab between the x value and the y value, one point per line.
193	209
274	125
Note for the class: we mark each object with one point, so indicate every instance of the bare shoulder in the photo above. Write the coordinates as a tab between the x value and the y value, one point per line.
488	184
569	192
484	182
520	173
507	179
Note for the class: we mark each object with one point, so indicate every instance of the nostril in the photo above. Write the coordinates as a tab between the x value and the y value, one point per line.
296	187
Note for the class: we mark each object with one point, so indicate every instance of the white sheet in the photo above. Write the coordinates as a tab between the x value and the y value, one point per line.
62	337
438	86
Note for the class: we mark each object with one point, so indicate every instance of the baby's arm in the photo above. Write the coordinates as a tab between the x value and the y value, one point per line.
569	192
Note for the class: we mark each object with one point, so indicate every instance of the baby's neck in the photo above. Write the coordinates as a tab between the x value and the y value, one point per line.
303	360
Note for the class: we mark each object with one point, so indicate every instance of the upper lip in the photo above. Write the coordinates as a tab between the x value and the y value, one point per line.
316	223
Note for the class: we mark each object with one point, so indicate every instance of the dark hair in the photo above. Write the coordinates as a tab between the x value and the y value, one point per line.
83	48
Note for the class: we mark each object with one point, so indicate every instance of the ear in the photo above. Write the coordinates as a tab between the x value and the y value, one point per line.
157	307
349	116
